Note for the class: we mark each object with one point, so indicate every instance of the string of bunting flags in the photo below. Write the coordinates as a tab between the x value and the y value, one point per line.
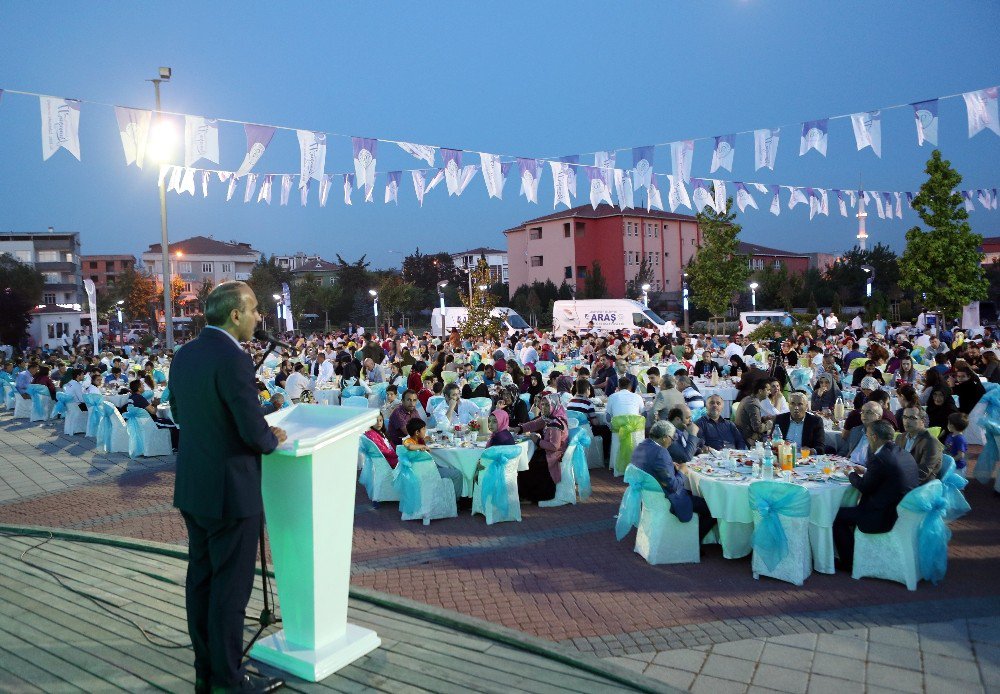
60	118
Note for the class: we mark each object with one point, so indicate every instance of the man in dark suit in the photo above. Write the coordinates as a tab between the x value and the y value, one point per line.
217	489
891	473
800	425
684	446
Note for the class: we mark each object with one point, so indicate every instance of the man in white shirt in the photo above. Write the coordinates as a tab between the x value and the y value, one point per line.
296	383
624	400
74	386
529	355
735	346
857	323
324	369
454	409
879	325
831	322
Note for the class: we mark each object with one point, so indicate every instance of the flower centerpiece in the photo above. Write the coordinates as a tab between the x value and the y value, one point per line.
474	425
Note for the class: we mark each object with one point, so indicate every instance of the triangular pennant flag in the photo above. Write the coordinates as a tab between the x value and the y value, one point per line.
722	155
573	160
531	174
743	197
304	190
681	155
909	199
899	205
851	198
176	174
775	192
981	106
814	203
365	152
432	184
419	184
205	175
491	174
312	156
265	189
984	198
678	193
926	115
251	187
133	126
224	175
841	203
623	188
599	189
286	188
761	187
425	152
814	136
60	126
967	199
653	199
324	188
232	187
258	138
605	161
700	195
392	186
187	182
765	147
994	196
642	166
887	203
796	196
868	130
560	183
465	177
348	187
201	140
720	195
452	160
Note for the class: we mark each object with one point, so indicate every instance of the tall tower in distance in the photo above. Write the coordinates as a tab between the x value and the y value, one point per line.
862	234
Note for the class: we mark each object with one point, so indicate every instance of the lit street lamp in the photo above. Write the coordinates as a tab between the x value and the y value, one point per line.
869	279
645	294
277	310
684	293
374	295
753	294
162	144
440	287
482	289
121	328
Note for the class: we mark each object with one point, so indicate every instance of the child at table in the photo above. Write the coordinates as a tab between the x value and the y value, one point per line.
416	440
955	443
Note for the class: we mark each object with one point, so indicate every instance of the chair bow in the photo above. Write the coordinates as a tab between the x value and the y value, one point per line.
578	416
800	377
378	390
581	438
625	425
39	396
990	422
933	534
631	505
104	430
405	479
353	391
165	397
133	421
494	480
62	399
93	402
773	500
371	453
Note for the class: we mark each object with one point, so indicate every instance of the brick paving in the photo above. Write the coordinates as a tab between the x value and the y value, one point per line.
559	574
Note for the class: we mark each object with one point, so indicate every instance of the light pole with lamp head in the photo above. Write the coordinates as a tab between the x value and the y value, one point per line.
163	142
440	287
645	295
869	279
753	295
684	294
374	296
277	311
121	327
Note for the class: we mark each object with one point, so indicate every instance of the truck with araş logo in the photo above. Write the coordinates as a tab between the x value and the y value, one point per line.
606	315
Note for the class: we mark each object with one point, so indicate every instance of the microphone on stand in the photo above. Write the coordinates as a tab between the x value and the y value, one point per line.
271	339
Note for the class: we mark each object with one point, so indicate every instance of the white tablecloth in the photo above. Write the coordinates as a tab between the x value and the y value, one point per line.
118	401
466	460
724	390
327	396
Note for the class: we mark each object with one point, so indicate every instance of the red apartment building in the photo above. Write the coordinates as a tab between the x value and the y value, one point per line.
104	269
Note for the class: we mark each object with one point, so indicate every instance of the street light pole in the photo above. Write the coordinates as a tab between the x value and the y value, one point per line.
374	295
869	279
277	311
164	243
441	285
685	295
645	295
753	295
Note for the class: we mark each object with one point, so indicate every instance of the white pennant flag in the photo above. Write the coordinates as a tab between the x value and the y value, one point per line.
761	187
887	202
814	136
925	113
681	154
312	151
877	199
868	130
201	140
365	153
605	161
286	187
824	202
205	175
392	186
623	188
600	191
531	174
560	183
304	191
164	170
232	187
797	196
324	189
700	195
251	187
492	176
60	126
224	175
851	196
743	197
418	185
425	152
899	205
775	192
981	106
994	195
722	155
452	159
967	199
642	166
265	189
842	204
187	182
133	126
720	195
678	194
348	187
437	178
765	147
176	174
654	199
465	177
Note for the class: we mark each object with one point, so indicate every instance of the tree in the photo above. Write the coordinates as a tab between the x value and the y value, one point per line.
718	271
138	290
20	291
480	321
633	288
595	286
944	264
396	297
203	291
425	270
848	272
266	279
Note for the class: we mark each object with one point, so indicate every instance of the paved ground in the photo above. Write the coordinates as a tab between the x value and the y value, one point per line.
558	575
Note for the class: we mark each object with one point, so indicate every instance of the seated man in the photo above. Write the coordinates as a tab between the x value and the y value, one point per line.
854	443
920	443
706	365
685	443
890	474
454	409
715	432
652	457
801	426
692	396
624	400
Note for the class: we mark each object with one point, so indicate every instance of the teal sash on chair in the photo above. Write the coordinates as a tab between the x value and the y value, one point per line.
990	423
631	505
406	481
494	481
581	438
371	453
93	402
62	399
773	500
933	534
39	399
353	391
133	416
104	429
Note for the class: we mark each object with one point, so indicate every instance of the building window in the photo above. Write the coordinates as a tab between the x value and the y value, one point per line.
68	297
69	257
109	266
536	261
656	231
535	233
656	258
692	242
581	229
227	268
566	231
756	263
93	264
187	286
48	256
568	272
666	254
581	272
49	298
207	267
777	264
52	277
23	256
184	267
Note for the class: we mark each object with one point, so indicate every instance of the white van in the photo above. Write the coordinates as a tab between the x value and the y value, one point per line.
751	320
454	316
606	315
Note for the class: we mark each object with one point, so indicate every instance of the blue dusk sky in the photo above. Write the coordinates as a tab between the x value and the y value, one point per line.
530	78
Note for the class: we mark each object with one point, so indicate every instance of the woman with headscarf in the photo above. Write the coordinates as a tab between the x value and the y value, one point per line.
509	400
940	406
825	395
535	384
967	387
737	367
550	433
499	423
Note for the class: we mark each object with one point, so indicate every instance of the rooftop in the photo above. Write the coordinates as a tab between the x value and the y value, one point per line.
481	251
757	249
205	245
316	266
601	211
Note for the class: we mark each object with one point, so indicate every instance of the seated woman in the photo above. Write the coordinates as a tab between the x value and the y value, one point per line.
377	435
550	433
510	401
775	403
501	436
826	393
737	367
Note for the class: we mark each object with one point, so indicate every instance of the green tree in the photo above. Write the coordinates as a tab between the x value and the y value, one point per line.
633	288
266	278
396	297
848	272
138	290
718	271
425	270
595	286
480	321
813	307
203	291
944	263
20	291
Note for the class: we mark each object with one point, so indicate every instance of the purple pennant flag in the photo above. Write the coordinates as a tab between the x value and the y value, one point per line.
743	197
452	159
573	160
642	166
530	175
700	194
722	155
926	115
258	138
814	136
909	199
392	186
365	152
599	189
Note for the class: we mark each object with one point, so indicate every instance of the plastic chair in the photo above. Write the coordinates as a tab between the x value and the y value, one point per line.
495	492
630	508
733	409
144	437
934	431
543	367
76	419
627	432
59	409
526	397
41	402
354	391
376	473
433	402
93	402
406	370
9	394
423	493
917	545
574	473
354	401
449	376
484	404
378	393
661	537
780	531
112	434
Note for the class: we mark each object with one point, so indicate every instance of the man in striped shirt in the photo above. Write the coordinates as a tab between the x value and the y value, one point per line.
692	396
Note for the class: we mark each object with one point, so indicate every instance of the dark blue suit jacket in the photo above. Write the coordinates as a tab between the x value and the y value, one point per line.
889	476
652	458
222	429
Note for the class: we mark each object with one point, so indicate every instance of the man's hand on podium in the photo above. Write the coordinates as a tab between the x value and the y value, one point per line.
280	434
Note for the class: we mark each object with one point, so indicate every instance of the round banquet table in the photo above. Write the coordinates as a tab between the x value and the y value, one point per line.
725	390
728	497
327	396
465	459
118	401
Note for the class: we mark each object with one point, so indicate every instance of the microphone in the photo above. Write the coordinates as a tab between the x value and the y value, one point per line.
271	339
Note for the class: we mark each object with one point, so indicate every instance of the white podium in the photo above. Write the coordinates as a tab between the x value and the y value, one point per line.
308	486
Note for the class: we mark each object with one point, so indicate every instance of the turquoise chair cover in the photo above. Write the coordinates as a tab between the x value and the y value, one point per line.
991	426
772	500
581	438
475	379
494	480
433	402
104	426
93	402
953	484
628	512
674	368
133	417
475	359
159	376
9	393
378	390
39	395
371	453
580	417
405	481
726	369
5	377
148	394
699	413
353	391
800	379
165	398
527	398
543	367
933	534
917	355
62	399
482	403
